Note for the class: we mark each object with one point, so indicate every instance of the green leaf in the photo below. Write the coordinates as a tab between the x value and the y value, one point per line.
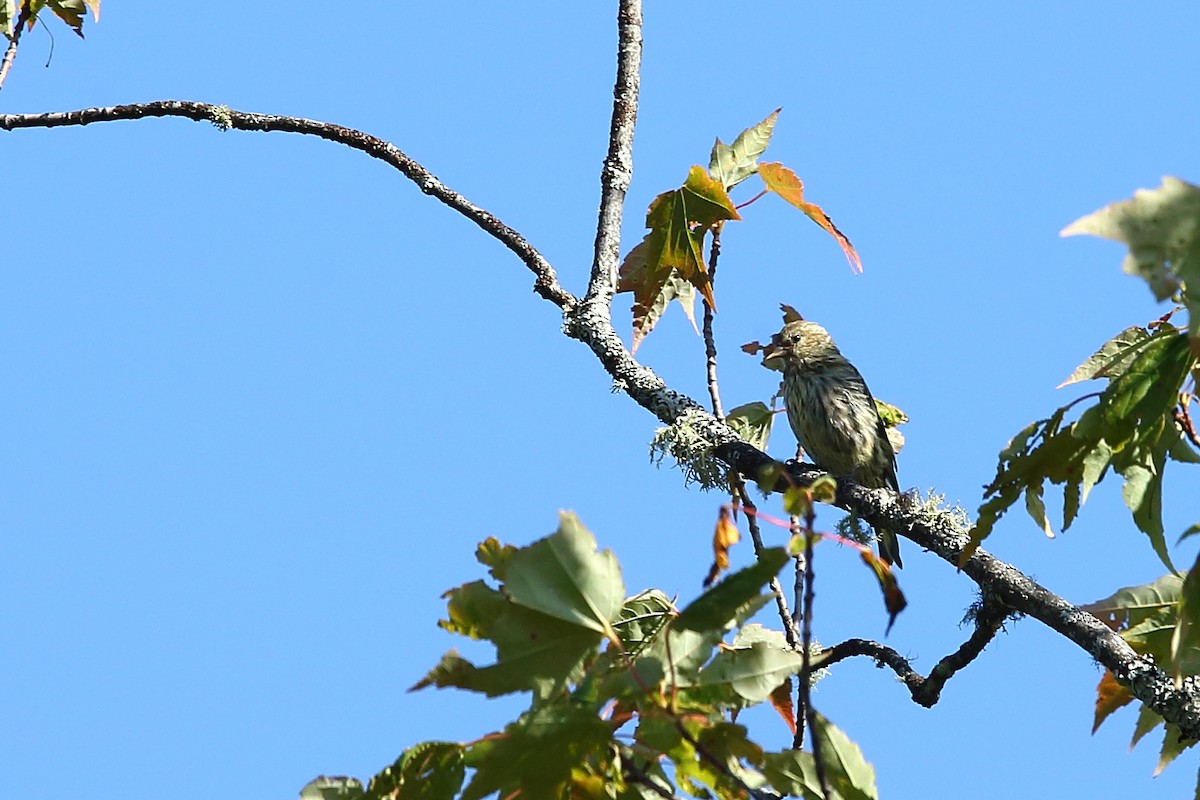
678	221
794	772
890	414
1037	509
1095	461
8	16
331	788
1129	606
720	605
472	608
427	771
1162	229
642	618
732	164
72	12
752	422
564	576
1173	744
1147	721
1185	641
541	755
1142	493
1113	357
752	672
534	652
1159	226
850	774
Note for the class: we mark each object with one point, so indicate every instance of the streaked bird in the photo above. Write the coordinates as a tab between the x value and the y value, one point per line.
832	413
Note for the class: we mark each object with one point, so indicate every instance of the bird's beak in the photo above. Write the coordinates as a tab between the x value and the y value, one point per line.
772	357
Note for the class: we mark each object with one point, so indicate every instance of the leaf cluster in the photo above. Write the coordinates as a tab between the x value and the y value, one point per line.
1158	620
630	697
669	265
71	12
1130	429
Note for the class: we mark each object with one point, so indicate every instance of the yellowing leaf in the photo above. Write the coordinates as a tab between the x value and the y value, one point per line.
752	422
787	184
724	537
1110	696
893	599
671	257
732	164
673	287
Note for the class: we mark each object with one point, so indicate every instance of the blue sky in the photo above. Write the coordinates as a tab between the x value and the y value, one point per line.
262	397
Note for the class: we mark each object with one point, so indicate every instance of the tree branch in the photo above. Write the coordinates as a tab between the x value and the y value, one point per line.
546	282
989	620
945	533
10	52
618	165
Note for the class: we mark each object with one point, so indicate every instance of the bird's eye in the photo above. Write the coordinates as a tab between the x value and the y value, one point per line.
795	338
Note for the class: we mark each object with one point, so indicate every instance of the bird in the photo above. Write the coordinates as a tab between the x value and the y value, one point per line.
832	413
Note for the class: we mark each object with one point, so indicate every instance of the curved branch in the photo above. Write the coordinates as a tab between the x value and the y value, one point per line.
941	531
989	620
945	533
546	282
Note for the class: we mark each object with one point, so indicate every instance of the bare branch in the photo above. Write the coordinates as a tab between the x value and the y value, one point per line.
805	689
618	165
989	620
10	53
546	283
710	344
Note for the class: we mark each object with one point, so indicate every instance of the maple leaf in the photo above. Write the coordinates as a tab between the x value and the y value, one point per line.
672	253
785	183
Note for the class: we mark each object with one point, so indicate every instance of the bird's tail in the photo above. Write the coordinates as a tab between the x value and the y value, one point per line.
889	548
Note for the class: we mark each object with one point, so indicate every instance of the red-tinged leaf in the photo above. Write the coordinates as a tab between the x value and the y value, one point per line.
781	701
785	183
893	599
1110	696
633	278
669	263
678	221
725	536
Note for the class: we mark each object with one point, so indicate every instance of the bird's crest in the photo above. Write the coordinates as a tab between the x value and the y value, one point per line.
790	314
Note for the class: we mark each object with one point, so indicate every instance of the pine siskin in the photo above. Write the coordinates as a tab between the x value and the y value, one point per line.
832	413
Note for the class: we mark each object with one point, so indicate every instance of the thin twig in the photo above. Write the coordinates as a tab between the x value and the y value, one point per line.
618	165
704	753
790	631
710	345
1183	416
10	53
546	283
638	775
805	693
946	534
